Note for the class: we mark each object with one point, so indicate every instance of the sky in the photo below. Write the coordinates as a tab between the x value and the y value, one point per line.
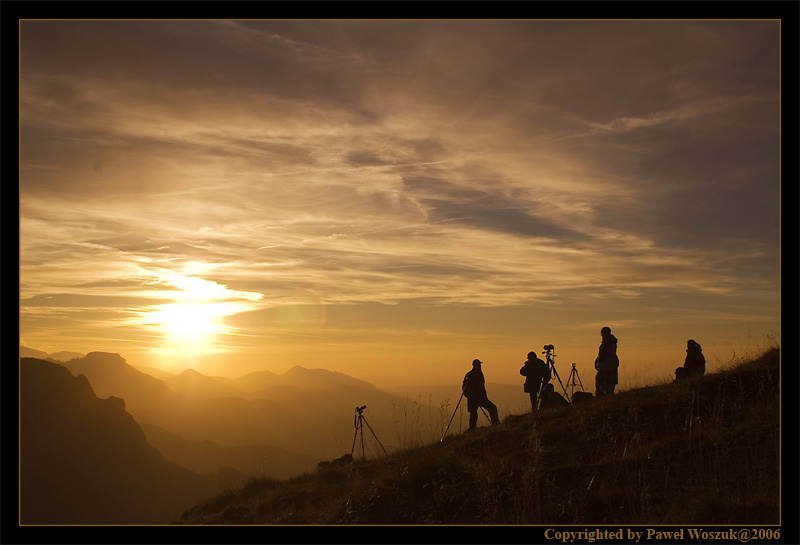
392	199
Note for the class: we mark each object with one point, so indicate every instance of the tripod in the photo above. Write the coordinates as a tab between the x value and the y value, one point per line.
571	381
454	415
550	359
358	421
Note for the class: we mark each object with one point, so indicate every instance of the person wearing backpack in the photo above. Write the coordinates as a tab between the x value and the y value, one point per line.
536	373
607	364
474	388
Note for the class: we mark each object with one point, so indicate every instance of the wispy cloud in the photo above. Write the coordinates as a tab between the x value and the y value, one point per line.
263	164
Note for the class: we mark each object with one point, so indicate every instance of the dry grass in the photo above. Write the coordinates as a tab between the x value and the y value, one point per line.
704	451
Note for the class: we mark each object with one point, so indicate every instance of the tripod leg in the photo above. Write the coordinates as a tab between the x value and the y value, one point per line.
375	436
571	382
452	417
363	456
561	383
539	395
353	448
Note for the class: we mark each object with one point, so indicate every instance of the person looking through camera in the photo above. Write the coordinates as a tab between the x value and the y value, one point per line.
536	373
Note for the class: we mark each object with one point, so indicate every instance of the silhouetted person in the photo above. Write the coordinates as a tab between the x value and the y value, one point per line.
607	364
695	363
474	387
551	398
536	373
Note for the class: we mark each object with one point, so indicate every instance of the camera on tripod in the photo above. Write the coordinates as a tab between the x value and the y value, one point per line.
548	348
358	420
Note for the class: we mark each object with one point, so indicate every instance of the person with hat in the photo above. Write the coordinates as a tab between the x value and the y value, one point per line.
536	373
474	388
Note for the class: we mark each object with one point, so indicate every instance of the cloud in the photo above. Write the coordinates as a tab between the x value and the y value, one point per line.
340	162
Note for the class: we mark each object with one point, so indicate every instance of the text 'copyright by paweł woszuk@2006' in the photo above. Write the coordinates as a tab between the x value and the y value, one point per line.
628	535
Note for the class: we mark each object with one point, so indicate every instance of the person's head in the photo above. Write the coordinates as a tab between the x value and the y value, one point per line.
691	344
532	355
476	363
606	331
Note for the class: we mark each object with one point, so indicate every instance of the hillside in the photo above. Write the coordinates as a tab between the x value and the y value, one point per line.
704	451
84	460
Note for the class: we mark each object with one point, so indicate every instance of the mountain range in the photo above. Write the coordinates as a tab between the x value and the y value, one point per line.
26	352
85	460
224	411
307	413
102	442
212	430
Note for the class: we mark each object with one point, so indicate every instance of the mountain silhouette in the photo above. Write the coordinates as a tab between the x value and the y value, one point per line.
306	411
320	378
110	375
154	372
255	382
231	421
207	456
191	382
85	460
26	352
65	356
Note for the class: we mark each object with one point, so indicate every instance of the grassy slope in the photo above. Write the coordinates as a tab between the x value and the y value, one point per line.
705	451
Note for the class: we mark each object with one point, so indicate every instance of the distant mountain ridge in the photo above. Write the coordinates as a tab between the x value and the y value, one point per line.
207	456
191	382
307	411
109	374
85	460
26	352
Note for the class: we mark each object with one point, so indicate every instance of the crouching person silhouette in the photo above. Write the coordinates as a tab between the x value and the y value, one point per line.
536	373
474	388
551	398
695	363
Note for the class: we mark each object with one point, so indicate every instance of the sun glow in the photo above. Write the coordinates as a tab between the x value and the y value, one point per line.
194	323
189	322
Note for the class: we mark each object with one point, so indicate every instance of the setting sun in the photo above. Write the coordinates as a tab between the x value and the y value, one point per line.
194	323
188	322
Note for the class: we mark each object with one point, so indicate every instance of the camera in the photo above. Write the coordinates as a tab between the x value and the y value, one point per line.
361	408
548	347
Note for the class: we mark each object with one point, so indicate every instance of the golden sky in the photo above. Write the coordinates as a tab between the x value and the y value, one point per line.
391	199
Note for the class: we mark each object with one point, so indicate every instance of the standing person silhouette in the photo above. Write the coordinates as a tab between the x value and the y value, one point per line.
607	364
536	373
474	388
